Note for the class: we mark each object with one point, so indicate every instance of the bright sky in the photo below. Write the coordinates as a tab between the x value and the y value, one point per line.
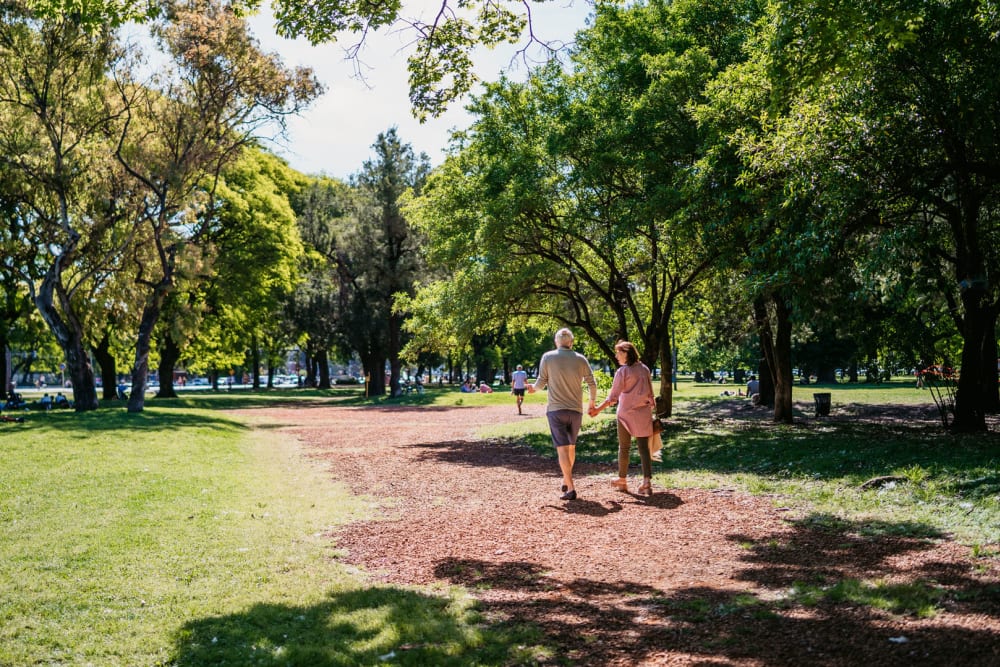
334	136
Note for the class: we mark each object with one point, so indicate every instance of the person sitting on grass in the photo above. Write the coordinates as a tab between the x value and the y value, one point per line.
15	401
753	390
485	388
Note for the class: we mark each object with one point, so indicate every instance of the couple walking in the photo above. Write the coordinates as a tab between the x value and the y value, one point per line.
564	371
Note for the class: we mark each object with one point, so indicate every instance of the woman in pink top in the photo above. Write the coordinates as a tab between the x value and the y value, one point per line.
632	390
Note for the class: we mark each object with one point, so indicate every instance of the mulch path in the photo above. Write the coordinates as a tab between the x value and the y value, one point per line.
685	577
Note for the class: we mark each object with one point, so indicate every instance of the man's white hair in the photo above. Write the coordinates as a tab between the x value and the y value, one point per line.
564	338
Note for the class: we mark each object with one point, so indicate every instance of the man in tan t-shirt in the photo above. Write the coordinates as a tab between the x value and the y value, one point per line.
564	372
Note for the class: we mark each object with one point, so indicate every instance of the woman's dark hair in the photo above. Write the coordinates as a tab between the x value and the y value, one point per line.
631	354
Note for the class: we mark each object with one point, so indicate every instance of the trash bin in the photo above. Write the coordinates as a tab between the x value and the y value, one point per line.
822	404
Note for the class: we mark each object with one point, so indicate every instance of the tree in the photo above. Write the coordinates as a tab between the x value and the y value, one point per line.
569	196
255	254
378	257
184	127
54	96
906	116
323	208
441	65
20	261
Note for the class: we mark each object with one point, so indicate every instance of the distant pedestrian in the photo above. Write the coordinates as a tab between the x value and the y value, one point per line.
565	372
518	384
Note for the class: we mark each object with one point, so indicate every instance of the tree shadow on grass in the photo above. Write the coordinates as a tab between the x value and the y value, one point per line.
857	607
597	623
373	626
111	421
527	616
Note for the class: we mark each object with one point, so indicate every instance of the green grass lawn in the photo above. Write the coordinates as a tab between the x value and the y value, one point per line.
179	536
183	536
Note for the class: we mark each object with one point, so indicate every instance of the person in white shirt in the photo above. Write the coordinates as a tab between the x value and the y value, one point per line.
518	385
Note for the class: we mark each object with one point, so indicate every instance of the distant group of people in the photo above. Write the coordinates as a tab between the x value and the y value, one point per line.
470	387
49	402
15	401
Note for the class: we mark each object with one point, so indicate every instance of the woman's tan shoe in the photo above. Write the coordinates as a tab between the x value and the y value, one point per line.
620	484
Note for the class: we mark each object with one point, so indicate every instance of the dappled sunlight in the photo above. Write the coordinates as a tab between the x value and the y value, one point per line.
357	627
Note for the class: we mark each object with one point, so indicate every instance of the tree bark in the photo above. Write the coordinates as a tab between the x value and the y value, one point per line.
170	352
68	331
784	382
310	364
776	344
323	363
374	366
4	370
143	344
970	398
109	369
665	398
254	362
990	360
766	378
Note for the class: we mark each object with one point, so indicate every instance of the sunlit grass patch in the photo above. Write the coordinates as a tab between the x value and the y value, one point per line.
919	599
182	536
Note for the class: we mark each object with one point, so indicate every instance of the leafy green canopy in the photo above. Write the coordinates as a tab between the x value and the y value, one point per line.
572	196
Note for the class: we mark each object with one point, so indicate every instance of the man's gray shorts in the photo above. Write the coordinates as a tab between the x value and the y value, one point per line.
564	426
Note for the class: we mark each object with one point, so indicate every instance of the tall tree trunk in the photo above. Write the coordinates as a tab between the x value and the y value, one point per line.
784	382
665	398
4	366
765	376
109	369
170	353
393	346
68	331
970	399
143	345
254	361
323	361
310	364
776	345
991	359
374	366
